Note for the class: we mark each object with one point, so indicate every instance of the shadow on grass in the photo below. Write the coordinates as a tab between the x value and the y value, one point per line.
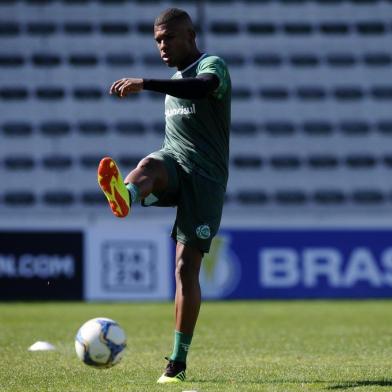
365	383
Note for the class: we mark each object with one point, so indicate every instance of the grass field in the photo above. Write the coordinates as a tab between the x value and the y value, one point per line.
239	346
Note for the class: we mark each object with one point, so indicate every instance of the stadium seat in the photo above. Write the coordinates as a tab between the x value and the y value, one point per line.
114	28
387	160
41	28
385	127
274	93
56	162
348	93
365	196
311	93
9	28
76	2
354	128
119	59
11	60
224	27
55	128
19	163
129	161
252	197
334	28
17	129
46	60
241	93
58	198
360	161
261	28
90	161
290	197
381	92
298	28
247	162
78	28
158	127
19	198
285	162
279	128
377	59
93	198
83	60
304	60
93	128
146	28
370	28
130	128
340	60
323	162
87	93
13	93
152	60
234	59
268	59
243	128
329	197
50	93
318	128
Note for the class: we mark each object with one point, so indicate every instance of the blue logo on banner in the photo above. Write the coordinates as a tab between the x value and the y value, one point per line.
299	264
221	270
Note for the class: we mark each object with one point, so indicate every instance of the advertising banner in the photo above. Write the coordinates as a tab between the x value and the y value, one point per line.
41	264
128	262
299	263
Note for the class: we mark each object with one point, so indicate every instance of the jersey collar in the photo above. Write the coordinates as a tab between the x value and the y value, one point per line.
193	64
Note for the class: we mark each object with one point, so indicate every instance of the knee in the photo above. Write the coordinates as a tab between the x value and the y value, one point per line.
148	163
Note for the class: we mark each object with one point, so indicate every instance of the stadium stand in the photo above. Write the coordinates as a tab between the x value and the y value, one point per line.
312	93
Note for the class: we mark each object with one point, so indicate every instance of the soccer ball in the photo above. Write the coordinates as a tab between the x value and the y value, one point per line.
100	342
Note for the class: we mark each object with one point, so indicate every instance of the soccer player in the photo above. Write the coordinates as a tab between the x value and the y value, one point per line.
191	169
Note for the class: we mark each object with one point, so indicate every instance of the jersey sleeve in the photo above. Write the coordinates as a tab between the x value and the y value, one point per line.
215	65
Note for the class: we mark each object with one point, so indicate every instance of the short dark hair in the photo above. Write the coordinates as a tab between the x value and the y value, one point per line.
172	15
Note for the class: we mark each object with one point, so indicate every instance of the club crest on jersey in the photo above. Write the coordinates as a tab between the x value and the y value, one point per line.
203	232
182	110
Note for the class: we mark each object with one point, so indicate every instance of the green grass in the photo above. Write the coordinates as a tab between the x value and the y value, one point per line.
238	346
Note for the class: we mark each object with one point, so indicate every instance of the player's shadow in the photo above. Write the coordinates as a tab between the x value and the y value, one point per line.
364	383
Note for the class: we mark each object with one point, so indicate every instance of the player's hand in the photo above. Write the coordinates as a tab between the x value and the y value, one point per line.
125	86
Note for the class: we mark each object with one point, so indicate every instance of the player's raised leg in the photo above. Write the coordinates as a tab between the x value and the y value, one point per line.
149	176
187	306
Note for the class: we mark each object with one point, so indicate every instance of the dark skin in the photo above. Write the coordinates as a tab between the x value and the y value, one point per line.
177	48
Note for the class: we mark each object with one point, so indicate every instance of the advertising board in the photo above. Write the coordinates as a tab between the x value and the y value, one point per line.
299	263
127	262
41	264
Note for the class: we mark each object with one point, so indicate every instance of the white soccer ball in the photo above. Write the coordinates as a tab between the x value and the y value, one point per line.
100	342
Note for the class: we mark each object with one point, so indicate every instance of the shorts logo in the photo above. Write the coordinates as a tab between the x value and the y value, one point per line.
203	232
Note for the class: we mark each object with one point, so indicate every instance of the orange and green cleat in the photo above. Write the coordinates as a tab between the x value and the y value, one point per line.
112	185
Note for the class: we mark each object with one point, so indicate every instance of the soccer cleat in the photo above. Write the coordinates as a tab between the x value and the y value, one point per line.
112	185
174	373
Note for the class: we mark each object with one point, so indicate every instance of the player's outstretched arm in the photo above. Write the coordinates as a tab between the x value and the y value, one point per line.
125	86
188	88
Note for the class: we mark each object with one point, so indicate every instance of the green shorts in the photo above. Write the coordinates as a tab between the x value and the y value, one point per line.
199	204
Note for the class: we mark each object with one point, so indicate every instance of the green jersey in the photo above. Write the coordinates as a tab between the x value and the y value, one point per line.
197	130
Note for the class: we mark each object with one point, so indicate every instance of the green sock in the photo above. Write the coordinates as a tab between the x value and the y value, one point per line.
180	346
134	192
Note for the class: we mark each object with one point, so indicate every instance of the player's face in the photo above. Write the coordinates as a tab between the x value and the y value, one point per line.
175	44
